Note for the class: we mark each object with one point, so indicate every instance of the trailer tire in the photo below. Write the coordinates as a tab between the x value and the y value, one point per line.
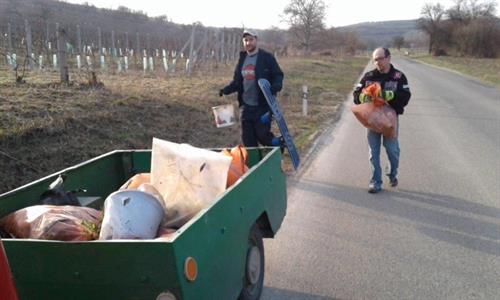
253	281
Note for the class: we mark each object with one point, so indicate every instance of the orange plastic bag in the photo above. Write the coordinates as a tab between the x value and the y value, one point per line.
238	165
374	91
136	181
50	222
381	119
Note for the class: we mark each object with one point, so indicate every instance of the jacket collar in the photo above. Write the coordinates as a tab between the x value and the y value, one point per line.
391	70
244	54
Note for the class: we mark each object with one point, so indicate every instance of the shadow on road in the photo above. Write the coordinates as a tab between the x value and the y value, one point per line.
456	225
270	293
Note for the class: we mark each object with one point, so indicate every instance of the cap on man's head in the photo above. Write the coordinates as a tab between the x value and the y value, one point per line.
248	32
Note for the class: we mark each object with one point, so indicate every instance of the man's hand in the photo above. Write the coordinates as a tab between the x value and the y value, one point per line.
374	93
388	95
221	92
364	98
265	118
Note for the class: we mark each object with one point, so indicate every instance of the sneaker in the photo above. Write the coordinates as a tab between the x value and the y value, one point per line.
374	188
394	182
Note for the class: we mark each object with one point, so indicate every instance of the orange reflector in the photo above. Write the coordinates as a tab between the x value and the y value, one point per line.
190	269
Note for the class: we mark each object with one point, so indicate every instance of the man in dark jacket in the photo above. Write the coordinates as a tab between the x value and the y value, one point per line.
254	64
396	92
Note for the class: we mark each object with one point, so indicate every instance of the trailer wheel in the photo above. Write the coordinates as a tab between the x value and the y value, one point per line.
254	266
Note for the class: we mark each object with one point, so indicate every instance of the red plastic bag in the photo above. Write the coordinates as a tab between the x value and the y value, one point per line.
50	222
381	119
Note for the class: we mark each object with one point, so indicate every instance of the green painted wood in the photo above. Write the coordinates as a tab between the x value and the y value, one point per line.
99	176
218	237
92	270
141	162
215	237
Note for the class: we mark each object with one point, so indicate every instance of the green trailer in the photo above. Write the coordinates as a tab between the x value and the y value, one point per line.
218	254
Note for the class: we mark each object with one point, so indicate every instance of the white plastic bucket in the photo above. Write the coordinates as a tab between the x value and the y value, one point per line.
224	115
131	214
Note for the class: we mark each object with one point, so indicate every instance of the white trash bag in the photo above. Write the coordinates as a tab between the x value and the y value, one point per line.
189	179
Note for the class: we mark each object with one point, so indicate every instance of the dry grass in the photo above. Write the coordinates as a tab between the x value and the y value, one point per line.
484	69
45	126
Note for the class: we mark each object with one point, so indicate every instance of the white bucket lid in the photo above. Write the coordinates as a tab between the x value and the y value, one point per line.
131	214
224	115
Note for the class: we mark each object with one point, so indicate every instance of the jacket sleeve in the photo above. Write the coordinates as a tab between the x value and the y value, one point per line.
276	76
233	86
401	95
357	90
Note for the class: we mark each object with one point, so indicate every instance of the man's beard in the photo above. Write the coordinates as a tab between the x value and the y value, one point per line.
252	49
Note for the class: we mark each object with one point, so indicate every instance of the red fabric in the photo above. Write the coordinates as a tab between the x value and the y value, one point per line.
7	288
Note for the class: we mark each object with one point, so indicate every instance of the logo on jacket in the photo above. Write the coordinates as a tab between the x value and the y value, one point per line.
391	85
397	75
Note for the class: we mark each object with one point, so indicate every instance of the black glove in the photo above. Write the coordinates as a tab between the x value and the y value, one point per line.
221	92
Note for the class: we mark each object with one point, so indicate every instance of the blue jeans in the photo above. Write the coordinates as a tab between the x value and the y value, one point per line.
392	149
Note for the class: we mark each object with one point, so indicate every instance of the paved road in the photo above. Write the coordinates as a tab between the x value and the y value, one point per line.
435	236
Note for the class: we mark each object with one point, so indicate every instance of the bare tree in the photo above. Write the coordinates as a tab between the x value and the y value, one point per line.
350	42
273	39
480	38
470	28
431	22
332	41
327	40
398	42
474	28
416	39
466	10
306	19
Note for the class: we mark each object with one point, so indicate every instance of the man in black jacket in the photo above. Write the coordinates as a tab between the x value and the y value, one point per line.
254	64
396	92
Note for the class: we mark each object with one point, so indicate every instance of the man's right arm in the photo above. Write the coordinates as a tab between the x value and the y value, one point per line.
276	76
357	90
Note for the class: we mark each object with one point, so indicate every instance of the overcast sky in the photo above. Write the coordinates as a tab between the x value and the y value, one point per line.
262	14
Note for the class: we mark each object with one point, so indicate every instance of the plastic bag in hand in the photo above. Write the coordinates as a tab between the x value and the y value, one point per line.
374	92
381	119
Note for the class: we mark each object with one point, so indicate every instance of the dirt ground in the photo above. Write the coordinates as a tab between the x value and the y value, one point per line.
46	126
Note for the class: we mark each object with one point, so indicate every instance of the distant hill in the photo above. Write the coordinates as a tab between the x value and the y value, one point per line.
44	14
127	24
381	33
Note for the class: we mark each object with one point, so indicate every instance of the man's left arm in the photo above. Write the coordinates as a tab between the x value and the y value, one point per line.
276	75
401	96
